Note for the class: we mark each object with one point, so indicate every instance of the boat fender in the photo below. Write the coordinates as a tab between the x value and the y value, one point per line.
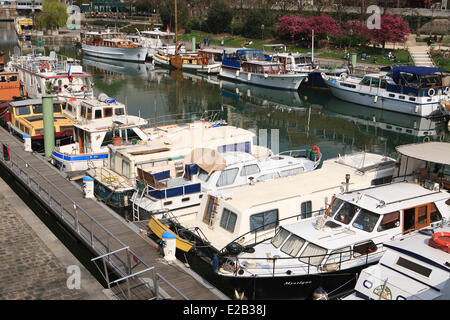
431	92
343	76
237	73
234	248
375	99
312	153
266	75
249	76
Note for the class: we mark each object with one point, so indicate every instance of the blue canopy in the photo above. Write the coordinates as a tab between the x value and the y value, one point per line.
419	71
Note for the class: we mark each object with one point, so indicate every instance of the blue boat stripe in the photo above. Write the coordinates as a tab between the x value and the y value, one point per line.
81	158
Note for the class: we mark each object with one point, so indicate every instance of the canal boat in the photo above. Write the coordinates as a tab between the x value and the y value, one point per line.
225	215
156	40
23	27
253	67
201	61
10	89
406	89
25	117
415	267
208	171
168	146
98	122
112	45
66	75
330	250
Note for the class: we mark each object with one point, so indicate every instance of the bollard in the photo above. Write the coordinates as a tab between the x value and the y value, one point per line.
171	245
88	187
27	142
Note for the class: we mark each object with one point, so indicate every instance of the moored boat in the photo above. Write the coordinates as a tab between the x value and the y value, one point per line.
23	27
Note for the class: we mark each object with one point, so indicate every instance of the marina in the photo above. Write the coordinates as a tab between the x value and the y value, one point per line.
179	170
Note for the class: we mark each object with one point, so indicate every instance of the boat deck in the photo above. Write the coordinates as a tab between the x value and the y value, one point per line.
126	250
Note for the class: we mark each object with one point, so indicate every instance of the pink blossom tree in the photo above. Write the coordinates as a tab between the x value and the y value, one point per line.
294	28
393	28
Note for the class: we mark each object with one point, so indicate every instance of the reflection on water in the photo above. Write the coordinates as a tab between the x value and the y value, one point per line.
309	116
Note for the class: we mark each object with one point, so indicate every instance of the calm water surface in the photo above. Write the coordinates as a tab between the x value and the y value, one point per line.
309	116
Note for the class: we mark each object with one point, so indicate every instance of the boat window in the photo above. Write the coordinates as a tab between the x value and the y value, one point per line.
37	108
107	112
340	255
313	254
228	220
291	172
2	79
383	84
375	82
264	220
346	213
209	209
13	78
435	215
108	139
203	175
389	221
269	176
415	267
366	220
364	248
250	169
83	111
334	207
422	214
293	245
279	238
125	168
227	177
98	114
365	81
119	111
306	209
20	111
89	113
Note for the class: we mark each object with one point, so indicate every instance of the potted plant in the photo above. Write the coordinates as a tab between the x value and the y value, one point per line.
117	139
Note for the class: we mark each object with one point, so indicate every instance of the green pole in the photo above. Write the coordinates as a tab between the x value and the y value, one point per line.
193	44
353	60
49	128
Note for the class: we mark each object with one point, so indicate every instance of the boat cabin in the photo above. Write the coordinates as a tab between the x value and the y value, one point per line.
264	67
108	39
234	59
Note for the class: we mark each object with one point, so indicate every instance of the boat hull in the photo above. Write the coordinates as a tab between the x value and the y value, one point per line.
380	101
278	81
125	54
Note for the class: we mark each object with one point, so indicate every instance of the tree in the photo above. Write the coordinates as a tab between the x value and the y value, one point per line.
219	17
393	28
53	15
253	21
167	13
295	28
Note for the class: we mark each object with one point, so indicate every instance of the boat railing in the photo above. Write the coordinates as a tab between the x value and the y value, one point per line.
182	118
300	153
74	216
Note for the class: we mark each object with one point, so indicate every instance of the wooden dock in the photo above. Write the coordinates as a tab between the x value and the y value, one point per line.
130	262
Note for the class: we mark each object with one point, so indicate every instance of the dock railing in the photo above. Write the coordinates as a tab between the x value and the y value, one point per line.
89	230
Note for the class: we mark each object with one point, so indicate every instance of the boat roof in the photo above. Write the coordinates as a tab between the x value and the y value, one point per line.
248	196
393	197
27	102
416	70
437	152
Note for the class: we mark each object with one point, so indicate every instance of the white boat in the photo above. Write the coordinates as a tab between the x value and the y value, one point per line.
97	124
201	61
156	40
66	75
412	90
167	149
112	45
253	67
211	171
23	27
415	267
328	252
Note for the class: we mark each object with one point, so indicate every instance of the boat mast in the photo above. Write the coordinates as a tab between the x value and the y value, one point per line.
312	47
176	29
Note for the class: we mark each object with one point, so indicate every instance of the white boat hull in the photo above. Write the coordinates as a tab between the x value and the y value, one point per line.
278	81
381	100
126	54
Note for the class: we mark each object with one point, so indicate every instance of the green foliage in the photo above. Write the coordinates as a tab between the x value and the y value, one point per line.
253	21
220	16
167	13
53	15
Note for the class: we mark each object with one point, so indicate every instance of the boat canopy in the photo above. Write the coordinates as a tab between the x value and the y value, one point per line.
437	152
418	71
209	160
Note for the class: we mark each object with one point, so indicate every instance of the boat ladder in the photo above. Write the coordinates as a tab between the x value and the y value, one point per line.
137	203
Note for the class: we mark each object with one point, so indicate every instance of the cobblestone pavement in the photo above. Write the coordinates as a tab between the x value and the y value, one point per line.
28	269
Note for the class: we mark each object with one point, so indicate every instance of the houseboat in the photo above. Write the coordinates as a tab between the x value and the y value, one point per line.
98	123
415	267
201	61
406	89
327	253
23	27
208	171
65	75
168	146
10	89
112	45
25	117
253	67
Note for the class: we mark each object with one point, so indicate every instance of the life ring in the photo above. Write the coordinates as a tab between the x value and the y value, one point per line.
431	92
438	241
45	65
318	150
426	139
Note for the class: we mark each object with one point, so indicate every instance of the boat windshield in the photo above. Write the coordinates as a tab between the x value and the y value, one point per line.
346	213
279	238
313	254
366	220
203	175
335	205
293	245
